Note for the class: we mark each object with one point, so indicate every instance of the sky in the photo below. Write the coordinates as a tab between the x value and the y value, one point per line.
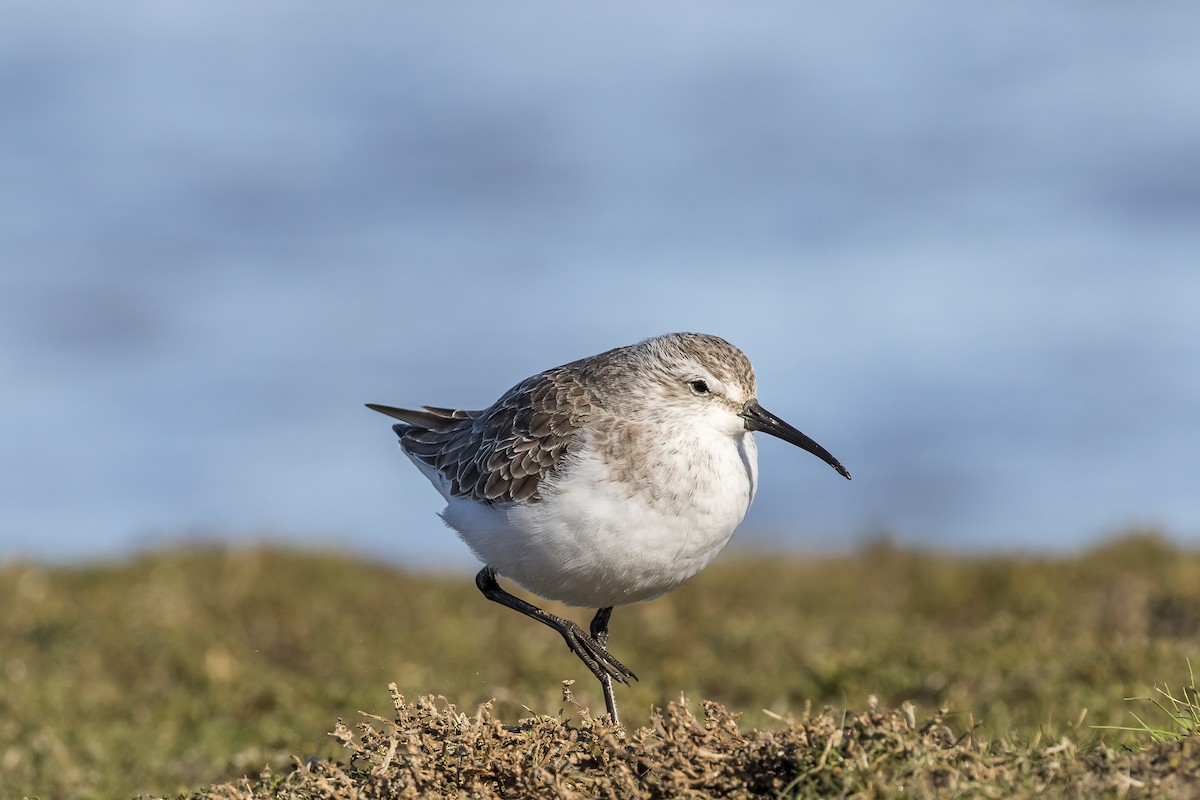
959	244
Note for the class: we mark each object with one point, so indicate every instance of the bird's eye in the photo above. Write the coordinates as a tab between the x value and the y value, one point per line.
698	387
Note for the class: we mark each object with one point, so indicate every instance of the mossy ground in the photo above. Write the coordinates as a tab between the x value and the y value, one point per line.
190	669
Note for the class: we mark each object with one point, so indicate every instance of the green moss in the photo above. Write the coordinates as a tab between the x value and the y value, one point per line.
187	668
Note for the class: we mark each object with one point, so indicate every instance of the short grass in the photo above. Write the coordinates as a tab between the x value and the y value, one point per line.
189	669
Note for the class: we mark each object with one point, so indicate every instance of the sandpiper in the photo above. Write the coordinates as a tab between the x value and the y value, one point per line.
603	482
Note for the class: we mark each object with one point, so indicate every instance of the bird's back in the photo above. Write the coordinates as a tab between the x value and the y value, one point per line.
503	453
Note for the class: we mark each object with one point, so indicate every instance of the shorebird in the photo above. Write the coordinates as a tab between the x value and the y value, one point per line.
603	482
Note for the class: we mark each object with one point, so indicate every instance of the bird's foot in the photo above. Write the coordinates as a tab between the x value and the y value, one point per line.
593	654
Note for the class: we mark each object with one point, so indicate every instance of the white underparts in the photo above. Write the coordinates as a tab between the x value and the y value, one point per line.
606	533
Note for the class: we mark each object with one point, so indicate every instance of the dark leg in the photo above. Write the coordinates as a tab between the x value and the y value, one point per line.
600	634
590	652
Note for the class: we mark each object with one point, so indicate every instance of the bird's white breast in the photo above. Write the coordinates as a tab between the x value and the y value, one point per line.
619	524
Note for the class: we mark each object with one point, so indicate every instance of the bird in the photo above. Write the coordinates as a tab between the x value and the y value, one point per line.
603	482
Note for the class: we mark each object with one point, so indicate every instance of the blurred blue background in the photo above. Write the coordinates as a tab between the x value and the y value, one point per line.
960	243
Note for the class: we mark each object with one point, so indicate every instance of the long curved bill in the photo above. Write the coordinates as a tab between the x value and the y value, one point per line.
759	419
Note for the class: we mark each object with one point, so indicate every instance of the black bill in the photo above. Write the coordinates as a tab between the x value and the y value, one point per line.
759	419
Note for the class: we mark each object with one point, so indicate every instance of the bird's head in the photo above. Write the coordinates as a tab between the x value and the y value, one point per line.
705	375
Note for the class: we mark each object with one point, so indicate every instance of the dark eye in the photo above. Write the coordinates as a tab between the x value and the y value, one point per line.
699	387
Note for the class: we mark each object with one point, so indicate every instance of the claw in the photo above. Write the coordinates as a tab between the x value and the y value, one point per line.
594	656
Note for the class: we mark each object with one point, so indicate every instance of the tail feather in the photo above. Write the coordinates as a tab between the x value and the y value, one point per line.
449	413
431	419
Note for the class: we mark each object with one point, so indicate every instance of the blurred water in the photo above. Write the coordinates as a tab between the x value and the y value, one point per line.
960	244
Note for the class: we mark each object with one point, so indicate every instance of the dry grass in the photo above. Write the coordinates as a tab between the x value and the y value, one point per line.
430	749
184	669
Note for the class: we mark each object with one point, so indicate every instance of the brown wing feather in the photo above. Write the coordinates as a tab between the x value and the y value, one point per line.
503	453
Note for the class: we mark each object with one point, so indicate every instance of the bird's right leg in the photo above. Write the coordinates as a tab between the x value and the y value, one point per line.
599	631
593	654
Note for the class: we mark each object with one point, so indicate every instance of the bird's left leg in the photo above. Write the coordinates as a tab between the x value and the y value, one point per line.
594	655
